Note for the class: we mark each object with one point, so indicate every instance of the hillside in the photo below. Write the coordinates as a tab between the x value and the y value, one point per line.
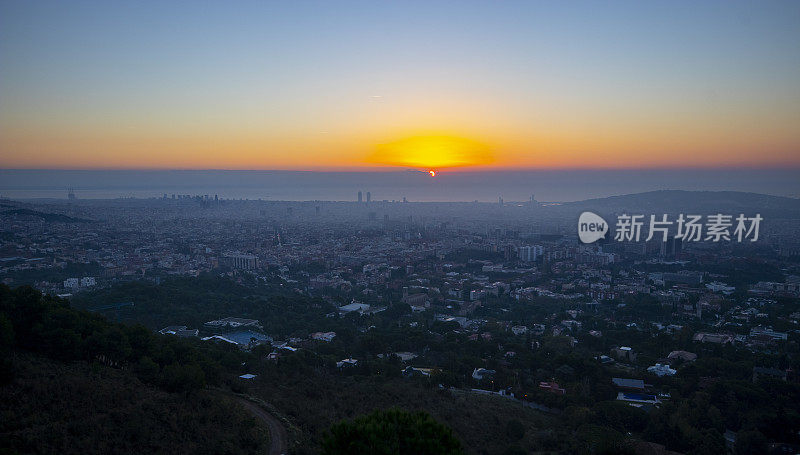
676	201
71	382
54	407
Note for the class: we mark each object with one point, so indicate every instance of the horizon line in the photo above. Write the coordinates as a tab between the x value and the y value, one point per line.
388	169
400	201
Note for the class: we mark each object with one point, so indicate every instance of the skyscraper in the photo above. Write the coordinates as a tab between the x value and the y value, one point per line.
670	248
530	253
369	196
359	196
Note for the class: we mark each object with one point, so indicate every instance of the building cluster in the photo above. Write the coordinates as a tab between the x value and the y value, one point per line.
463	265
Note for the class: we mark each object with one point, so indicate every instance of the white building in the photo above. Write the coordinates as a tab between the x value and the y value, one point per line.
638	399
716	286
661	370
769	332
354	306
480	374
72	283
346	362
88	281
323	336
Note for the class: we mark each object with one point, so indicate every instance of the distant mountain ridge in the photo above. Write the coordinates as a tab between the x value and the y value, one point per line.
701	202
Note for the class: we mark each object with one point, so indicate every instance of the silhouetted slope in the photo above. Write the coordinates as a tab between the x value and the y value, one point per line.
53	407
701	202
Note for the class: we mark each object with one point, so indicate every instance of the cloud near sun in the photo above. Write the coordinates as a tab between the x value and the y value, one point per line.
432	152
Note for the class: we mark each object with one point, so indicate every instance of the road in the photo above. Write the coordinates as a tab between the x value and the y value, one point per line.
279	440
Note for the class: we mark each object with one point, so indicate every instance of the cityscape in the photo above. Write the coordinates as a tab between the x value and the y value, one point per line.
400	228
497	300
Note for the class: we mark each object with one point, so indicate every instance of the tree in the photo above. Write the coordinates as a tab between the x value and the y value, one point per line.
392	431
621	416
146	369
182	378
750	442
6	332
515	429
597	440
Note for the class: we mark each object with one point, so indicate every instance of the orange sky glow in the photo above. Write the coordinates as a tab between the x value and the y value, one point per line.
548	148
423	86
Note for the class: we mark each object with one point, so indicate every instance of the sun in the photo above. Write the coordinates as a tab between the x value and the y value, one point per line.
432	152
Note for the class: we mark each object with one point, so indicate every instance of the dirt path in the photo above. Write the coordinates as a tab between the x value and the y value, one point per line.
279	440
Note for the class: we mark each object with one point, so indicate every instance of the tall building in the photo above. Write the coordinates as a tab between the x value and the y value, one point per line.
530	253
369	196
360	199
240	261
670	248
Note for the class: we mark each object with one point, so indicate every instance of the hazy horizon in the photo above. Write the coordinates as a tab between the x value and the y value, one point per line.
485	186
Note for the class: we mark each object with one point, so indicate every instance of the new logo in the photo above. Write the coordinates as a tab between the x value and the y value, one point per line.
591	227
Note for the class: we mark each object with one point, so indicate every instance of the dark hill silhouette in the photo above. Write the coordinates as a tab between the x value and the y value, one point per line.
700	202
